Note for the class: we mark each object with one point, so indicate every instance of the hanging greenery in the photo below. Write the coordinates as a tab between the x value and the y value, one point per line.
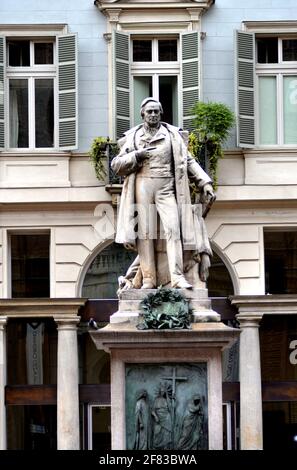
212	125
101	153
97	156
165	309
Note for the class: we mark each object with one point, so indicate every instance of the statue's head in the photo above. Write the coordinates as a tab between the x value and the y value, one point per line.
141	394
151	110
196	400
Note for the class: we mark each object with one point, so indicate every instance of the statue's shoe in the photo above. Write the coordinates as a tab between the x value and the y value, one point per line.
182	284
148	285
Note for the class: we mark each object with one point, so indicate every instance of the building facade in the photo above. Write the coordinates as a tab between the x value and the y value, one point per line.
74	70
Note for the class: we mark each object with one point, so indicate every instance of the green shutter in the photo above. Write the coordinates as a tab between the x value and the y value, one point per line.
67	91
245	86
121	52
190	54
2	88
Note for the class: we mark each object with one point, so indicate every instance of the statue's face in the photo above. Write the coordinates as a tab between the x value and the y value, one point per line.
152	114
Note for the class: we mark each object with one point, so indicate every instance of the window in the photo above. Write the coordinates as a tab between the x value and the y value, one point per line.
99	427
266	89
279	380
280	249
165	67
277	90
31	74
38	96
30	265
155	72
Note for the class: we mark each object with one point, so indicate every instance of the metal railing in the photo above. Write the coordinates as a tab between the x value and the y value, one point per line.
111	151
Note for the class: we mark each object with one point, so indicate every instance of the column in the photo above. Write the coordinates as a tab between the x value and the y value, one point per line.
67	385
3	321
251	432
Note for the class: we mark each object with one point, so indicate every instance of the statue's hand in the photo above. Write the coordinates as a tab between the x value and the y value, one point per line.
208	195
143	154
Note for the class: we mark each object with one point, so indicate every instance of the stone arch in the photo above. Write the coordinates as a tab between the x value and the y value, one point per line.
88	261
228	265
99	277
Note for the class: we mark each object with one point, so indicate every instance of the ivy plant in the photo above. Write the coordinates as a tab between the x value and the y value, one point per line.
212	125
101	153
97	156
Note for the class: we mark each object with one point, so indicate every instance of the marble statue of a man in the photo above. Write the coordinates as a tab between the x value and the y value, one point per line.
157	166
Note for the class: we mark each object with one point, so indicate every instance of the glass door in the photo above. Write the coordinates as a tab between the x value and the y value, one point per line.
99	427
230	425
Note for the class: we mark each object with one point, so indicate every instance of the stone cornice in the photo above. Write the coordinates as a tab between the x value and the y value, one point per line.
258	305
113	9
125	335
142	4
60	309
282	26
36	29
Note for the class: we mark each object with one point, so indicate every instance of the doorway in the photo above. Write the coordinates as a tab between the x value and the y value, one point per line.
99	427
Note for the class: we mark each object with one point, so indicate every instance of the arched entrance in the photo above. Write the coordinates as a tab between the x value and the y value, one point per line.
101	279
219	283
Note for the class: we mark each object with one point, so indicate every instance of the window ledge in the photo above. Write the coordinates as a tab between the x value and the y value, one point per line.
33	154
279	150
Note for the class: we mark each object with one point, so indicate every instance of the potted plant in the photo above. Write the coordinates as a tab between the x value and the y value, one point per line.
212	124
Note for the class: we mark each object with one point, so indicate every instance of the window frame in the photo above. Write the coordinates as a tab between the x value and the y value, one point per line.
66	92
8	234
279	70
155	69
90	407
31	73
281	30
188	89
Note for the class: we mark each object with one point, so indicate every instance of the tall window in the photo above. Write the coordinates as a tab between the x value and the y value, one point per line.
277	90
266	78
30	265
155	72
280	250
38	92
31	74
165	67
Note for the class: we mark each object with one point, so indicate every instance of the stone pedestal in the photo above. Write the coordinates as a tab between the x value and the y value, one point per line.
130	310
200	345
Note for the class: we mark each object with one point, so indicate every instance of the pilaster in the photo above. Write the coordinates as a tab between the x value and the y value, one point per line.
3	366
